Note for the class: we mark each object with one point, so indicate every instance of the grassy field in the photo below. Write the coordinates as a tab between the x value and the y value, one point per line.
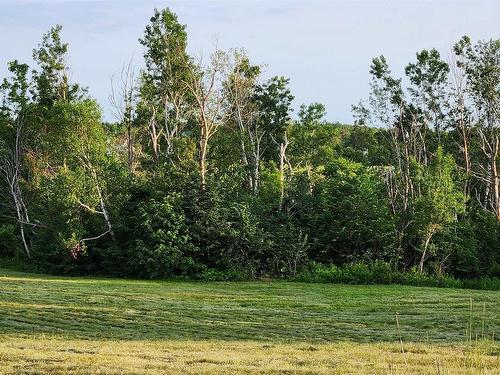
109	326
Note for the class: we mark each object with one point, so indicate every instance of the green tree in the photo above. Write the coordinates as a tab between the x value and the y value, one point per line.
14	135
240	90
164	97
52	79
351	220
428	76
274	100
313	113
159	246
440	203
481	63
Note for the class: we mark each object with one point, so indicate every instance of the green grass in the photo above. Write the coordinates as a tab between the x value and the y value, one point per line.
162	317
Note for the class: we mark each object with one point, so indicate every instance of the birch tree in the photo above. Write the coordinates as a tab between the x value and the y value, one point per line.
122	100
206	85
460	114
164	98
274	100
13	113
240	90
481	63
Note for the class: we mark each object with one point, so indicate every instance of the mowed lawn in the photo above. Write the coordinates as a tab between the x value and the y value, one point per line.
114	326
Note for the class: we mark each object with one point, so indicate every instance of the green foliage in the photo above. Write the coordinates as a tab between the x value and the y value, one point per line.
480	62
8	240
350	220
486	230
440	203
384	273
312	114
366	145
86	197
159	246
429	77
274	100
441	199
51	81
16	89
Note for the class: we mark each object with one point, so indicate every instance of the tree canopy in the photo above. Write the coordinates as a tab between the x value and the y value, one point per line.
207	172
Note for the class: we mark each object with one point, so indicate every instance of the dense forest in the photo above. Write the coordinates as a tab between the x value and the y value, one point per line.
206	172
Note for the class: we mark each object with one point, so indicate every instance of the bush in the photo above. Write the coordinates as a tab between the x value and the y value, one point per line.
211	274
160	245
383	273
350	219
8	240
20	264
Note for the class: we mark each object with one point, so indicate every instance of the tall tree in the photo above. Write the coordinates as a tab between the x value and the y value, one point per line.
388	107
52	77
274	99
13	113
123	102
460	112
440	203
164	97
206	85
240	90
428	76
313	113
481	63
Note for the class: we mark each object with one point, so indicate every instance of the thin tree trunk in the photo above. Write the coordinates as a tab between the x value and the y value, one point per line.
102	204
11	170
130	147
282	147
22	215
424	253
495	182
246	163
203	158
153	133
282	173
467	161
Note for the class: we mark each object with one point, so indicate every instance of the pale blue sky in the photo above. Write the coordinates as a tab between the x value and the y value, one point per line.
324	47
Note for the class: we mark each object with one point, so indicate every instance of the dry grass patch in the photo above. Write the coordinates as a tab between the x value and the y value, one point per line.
61	356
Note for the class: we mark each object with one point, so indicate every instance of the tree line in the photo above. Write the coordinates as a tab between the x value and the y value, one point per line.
205	170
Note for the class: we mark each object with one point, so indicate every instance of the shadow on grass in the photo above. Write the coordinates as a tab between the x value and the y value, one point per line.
87	308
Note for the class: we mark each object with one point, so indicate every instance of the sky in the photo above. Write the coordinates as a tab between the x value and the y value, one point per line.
324	47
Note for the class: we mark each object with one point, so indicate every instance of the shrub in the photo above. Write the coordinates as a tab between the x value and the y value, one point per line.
383	273
211	274
160	246
8	240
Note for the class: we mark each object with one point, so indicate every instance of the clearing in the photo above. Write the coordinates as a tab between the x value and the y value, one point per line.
113	326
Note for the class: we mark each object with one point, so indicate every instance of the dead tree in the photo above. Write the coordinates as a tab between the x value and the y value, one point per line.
101	203
122	103
10	168
490	145
283	162
240	91
461	117
205	84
